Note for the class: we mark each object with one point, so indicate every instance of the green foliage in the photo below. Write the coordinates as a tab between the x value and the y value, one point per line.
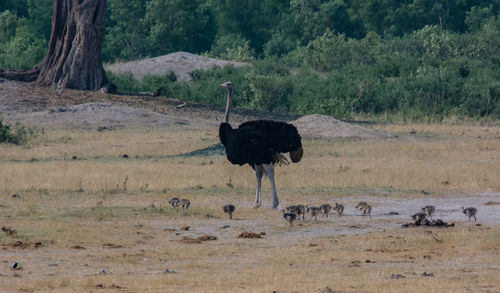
232	47
476	17
19	135
40	17
24	50
8	24
312	18
224	43
125	31
180	25
125	82
16	6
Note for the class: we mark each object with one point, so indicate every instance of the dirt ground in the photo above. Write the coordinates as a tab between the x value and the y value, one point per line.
86	202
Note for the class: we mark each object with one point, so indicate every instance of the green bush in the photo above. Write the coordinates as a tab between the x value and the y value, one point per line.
19	135
22	51
426	75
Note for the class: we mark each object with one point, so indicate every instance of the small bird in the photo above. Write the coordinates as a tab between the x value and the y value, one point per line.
470	212
290	217
185	204
229	209
325	209
429	210
15	266
339	208
174	202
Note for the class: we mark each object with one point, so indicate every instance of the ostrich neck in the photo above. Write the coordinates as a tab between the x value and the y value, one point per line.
228	104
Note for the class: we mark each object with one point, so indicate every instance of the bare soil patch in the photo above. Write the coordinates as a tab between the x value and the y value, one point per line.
181	63
326	127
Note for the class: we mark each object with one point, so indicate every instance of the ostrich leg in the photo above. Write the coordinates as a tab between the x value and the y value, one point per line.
270	174
258	175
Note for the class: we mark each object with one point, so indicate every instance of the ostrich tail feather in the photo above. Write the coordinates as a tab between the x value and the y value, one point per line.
296	156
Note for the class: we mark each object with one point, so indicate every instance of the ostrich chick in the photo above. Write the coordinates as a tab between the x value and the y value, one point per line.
365	208
290	217
419	218
429	210
339	208
470	212
296	209
314	211
229	209
174	202
325	209
185	204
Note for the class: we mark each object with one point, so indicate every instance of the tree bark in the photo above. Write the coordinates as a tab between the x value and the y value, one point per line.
74	58
20	75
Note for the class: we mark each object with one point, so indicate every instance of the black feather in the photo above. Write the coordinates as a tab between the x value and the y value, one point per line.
257	142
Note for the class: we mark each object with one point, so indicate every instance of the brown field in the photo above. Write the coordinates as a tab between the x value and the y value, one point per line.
89	219
102	221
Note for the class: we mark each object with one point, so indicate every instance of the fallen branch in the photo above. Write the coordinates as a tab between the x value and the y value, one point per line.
20	75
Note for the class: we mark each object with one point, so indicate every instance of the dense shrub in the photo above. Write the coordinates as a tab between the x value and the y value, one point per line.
22	51
20	134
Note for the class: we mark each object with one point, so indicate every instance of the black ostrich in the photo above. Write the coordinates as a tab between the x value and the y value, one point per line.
260	144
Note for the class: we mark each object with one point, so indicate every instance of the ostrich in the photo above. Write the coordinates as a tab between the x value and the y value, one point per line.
229	209
470	212
259	143
429	210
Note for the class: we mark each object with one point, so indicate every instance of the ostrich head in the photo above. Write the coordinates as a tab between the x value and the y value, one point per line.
229	86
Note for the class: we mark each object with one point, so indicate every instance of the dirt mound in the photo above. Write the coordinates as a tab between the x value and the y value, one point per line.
322	126
200	239
102	116
251	235
181	63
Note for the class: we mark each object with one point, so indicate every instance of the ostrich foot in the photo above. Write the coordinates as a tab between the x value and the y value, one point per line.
257	205
276	204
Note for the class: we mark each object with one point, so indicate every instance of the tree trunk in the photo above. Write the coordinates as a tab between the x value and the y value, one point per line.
74	59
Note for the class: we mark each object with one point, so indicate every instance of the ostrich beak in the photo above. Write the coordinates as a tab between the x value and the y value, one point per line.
226	84
223	85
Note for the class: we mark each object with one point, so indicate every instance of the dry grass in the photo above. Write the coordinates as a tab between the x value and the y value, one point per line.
408	165
116	209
